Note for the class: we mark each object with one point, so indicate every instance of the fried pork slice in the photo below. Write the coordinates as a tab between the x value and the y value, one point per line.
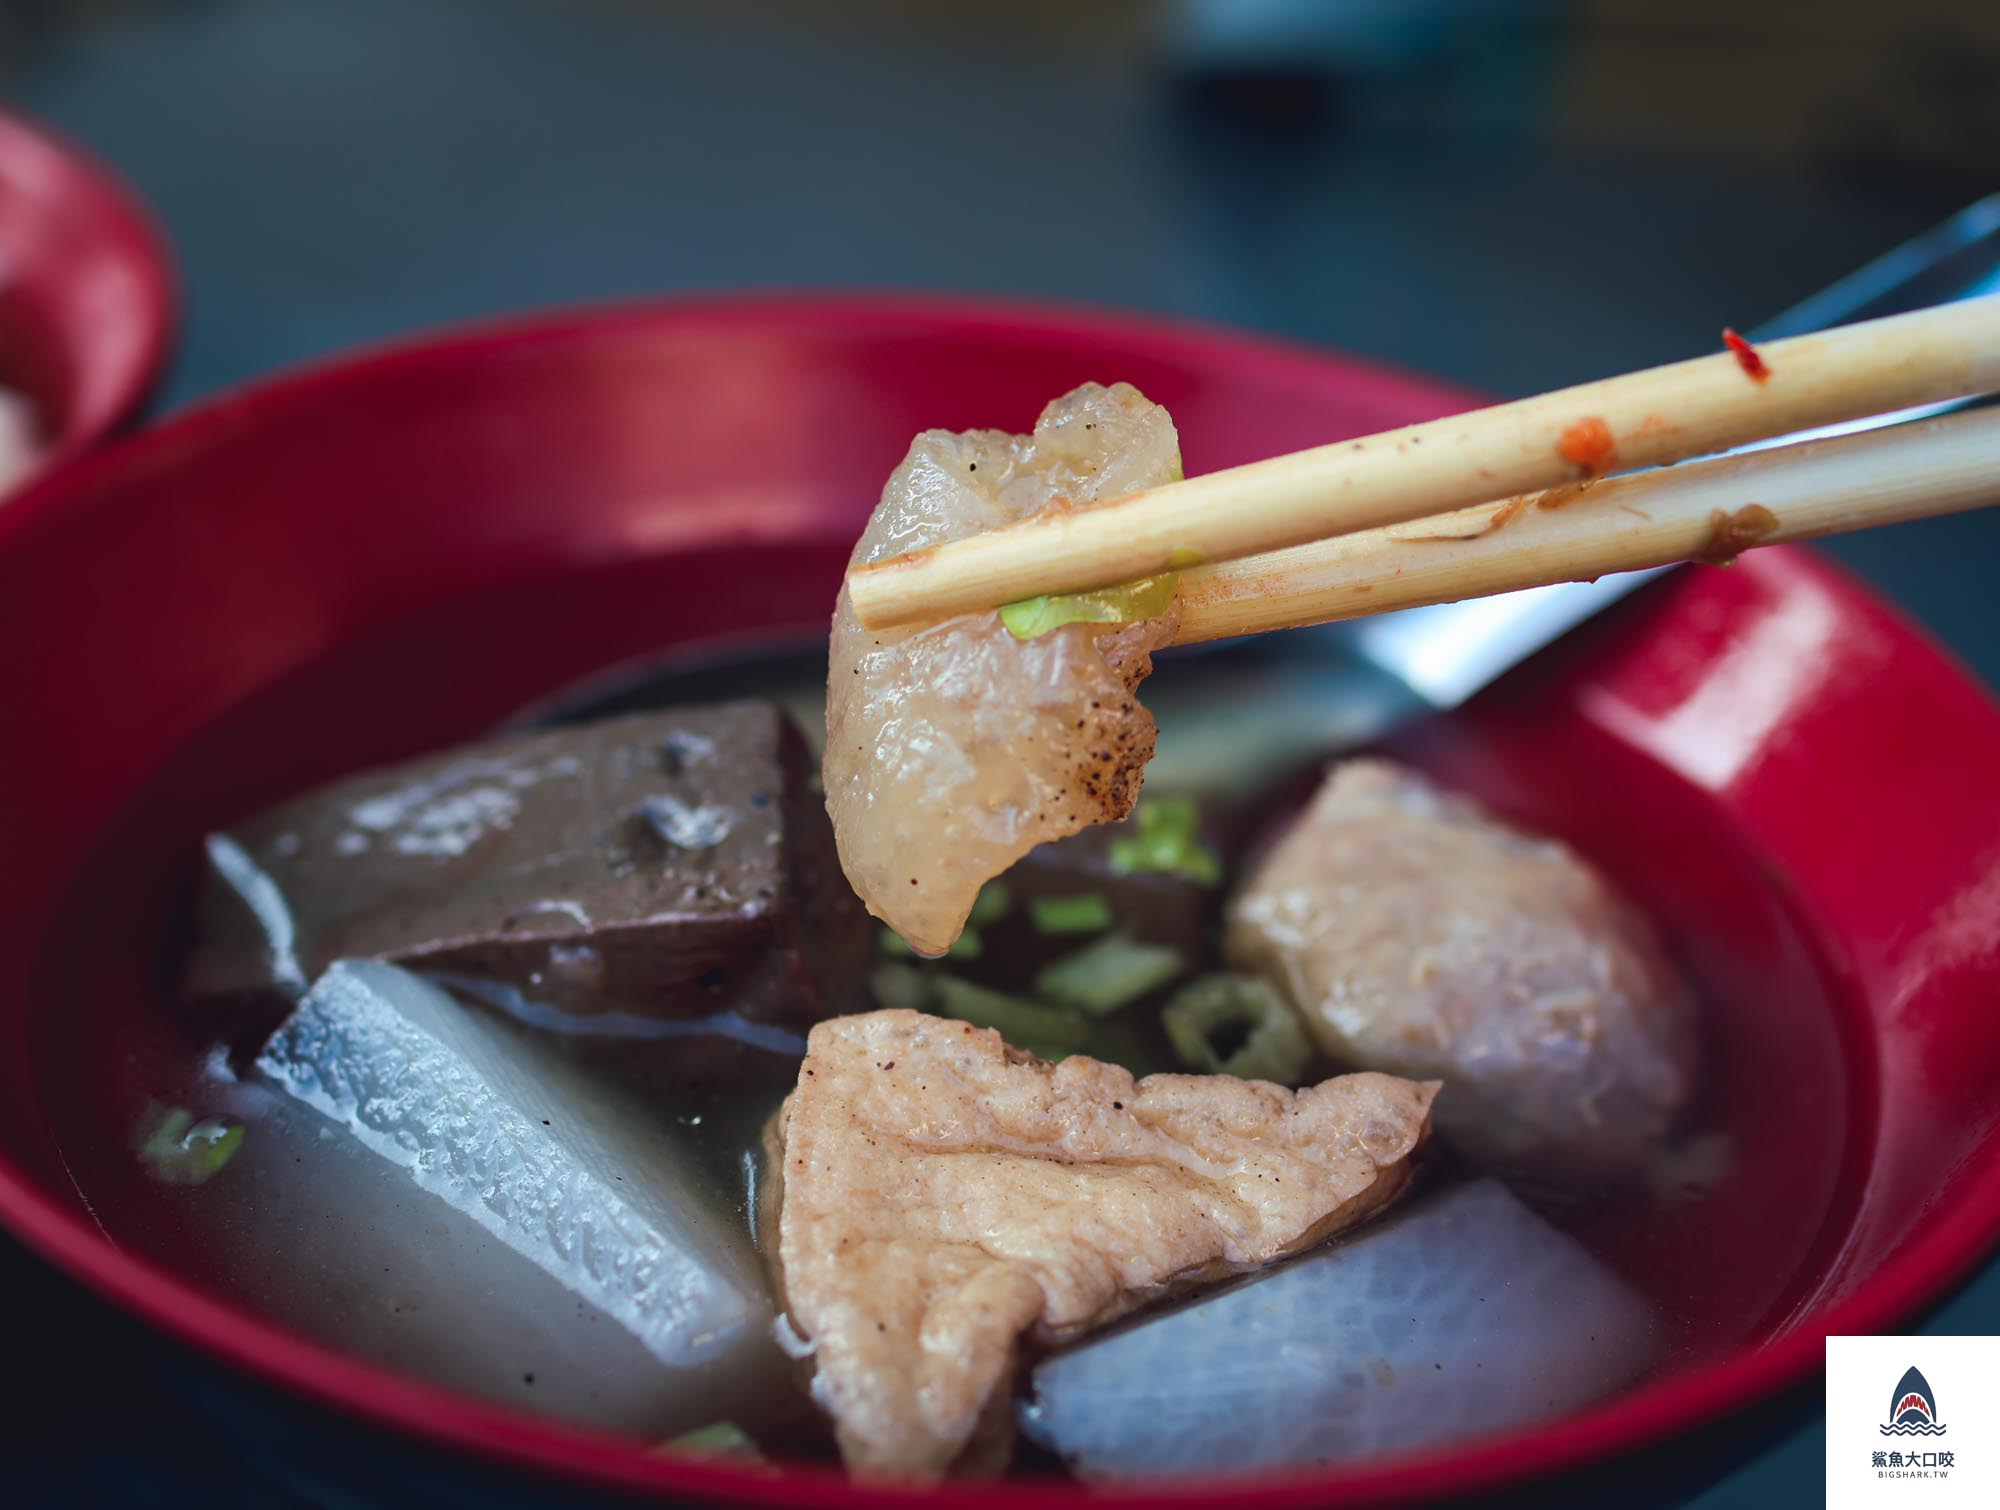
945	1196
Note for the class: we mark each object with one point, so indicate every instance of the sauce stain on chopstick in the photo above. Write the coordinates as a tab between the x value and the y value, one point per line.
1513	509
1747	356
1499	519
1588	444
1564	493
1729	535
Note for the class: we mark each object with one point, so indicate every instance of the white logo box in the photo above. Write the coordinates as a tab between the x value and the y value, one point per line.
1912	1422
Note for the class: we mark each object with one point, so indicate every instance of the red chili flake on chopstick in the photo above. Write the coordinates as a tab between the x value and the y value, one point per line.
1746	356
1588	444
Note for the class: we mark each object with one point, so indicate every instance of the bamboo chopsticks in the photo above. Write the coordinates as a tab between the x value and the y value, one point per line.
1704	511
1307	506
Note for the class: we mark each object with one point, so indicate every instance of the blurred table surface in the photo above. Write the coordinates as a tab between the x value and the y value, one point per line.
338	171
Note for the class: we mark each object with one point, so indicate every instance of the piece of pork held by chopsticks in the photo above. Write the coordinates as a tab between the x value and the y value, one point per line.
945	1198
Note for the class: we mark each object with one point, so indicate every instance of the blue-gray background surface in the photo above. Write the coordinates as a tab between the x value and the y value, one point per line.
1511	195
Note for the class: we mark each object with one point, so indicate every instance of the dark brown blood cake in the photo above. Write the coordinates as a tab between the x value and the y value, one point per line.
664	865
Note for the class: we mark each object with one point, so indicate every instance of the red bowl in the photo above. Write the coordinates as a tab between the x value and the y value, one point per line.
398	550
86	295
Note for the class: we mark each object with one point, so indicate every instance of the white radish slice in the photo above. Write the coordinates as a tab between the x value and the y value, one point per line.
550	1163
1463	1315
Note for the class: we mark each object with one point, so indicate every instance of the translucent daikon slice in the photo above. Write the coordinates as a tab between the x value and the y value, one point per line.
505	1131
1463	1315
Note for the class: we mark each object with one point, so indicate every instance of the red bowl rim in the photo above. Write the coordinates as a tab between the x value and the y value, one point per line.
1955	1240
141	243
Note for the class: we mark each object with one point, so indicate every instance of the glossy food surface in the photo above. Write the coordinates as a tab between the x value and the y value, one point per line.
955	748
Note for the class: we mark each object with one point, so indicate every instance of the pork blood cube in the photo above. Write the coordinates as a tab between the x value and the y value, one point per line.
672	865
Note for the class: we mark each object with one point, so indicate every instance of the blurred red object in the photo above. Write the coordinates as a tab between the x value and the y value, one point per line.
86	291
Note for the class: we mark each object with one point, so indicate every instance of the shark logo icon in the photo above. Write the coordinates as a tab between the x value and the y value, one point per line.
1913	1408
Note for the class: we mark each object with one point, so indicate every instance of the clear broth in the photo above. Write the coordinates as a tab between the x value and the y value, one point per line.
296	1231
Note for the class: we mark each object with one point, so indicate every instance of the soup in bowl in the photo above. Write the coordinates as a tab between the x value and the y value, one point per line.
429	937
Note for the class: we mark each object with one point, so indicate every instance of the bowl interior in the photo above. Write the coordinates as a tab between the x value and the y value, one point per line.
379	558
85	292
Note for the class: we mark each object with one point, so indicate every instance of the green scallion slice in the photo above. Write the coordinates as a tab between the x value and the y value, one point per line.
1019	1021
1087	913
723	1439
178	1150
1238	1025
1147	598
1113	972
1164	836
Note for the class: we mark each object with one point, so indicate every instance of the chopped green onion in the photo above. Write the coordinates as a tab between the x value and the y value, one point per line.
991	905
1238	1025
181	1151
1046	1051
1165	837
1146	598
1113	972
162	1127
1089	913
903	988
968	945
1019	1021
724	1439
